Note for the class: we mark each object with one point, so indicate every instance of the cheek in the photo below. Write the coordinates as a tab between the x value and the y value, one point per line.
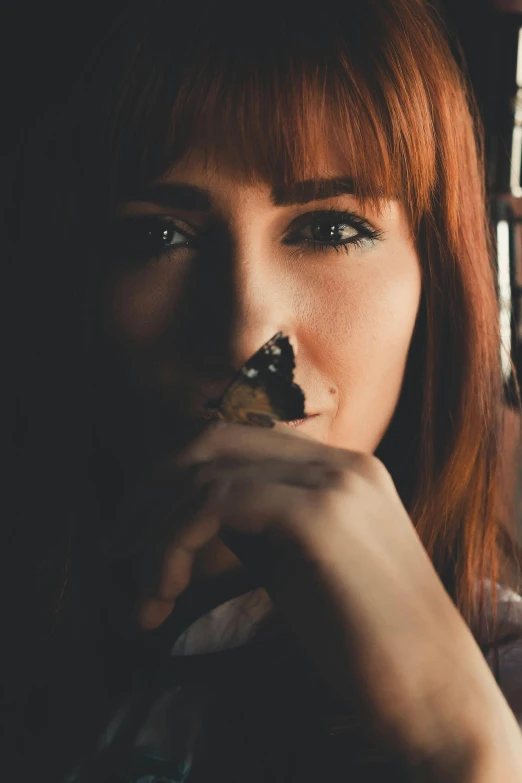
387	315
368	329
370	311
140	306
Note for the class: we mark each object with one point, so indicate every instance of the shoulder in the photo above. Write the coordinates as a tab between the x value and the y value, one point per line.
504	652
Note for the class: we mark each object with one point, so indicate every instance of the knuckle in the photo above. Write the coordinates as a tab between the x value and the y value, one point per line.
322	502
369	467
340	477
333	475
378	470
343	477
202	444
360	469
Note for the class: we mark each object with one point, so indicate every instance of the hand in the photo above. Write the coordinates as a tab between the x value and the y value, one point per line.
346	568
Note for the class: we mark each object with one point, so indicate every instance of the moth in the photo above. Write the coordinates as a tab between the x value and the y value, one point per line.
263	390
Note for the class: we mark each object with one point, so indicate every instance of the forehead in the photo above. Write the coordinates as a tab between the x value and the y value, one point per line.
199	180
203	183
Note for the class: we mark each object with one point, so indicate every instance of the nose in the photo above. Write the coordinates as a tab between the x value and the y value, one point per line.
211	385
253	306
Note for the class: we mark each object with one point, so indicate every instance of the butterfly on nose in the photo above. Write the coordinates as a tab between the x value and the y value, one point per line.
263	390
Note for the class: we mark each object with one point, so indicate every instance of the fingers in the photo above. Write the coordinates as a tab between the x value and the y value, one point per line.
149	512
248	507
166	494
261	476
236	440
249	498
176	570
312	474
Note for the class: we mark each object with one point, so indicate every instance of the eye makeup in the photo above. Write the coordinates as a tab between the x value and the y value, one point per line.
149	237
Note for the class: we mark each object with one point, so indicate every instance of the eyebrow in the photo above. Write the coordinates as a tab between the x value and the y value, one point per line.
310	190
178	195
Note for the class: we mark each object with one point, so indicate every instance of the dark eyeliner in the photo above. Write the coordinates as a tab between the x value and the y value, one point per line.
133	237
366	232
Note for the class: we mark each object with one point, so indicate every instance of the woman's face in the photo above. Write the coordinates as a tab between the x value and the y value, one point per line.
209	268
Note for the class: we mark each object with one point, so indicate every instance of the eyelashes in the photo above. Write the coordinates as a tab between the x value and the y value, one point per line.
147	237
357	231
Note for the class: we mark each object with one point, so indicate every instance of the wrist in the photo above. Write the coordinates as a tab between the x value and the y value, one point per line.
485	747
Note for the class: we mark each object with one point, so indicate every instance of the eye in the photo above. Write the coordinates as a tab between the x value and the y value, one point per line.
325	230
148	236
331	229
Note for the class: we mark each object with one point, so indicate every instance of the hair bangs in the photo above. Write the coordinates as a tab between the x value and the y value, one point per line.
300	102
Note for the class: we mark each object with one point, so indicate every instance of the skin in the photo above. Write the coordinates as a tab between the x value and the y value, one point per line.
325	505
350	317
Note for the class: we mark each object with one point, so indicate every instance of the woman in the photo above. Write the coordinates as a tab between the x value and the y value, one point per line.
214	178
